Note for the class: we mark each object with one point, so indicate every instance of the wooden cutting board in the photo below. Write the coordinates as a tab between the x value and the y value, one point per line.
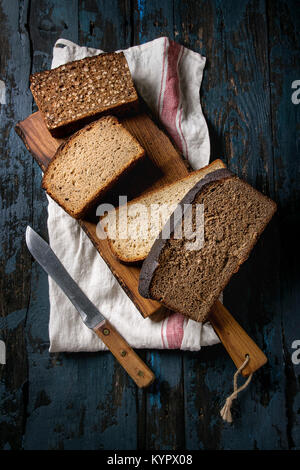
163	164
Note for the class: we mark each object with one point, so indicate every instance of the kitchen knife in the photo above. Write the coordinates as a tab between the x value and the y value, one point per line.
90	315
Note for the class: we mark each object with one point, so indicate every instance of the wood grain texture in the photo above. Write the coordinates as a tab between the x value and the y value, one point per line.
284	47
164	405
252	51
235	340
60	413
235	98
132	363
163	165
16	210
32	133
253	296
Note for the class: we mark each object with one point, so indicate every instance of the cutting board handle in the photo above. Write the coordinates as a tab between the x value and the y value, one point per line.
126	356
235	340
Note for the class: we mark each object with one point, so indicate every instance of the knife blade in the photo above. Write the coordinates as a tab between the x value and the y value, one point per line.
89	313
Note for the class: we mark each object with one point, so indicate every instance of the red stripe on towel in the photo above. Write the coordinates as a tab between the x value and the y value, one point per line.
162	335
171	96
175	330
162	75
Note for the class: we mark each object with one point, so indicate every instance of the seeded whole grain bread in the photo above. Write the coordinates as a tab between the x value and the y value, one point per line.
74	94
190	281
87	164
144	217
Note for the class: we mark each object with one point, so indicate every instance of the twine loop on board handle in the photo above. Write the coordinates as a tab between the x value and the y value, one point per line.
226	410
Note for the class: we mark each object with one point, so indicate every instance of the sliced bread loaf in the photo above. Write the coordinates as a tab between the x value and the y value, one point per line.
188	280
131	231
89	163
78	92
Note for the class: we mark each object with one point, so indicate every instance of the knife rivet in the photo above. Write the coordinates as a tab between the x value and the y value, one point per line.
140	373
123	353
106	331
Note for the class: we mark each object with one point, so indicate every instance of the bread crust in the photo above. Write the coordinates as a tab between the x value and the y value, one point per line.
136	200
68	126
151	263
80	214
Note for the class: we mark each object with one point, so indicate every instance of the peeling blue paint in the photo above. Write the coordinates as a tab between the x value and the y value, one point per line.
89	402
10	265
141	10
141	7
12	320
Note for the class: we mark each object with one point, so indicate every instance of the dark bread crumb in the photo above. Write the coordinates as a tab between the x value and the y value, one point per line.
189	281
132	249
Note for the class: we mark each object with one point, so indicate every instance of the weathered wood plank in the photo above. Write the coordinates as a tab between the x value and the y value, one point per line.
254	295
164	416
152	20
165	406
199	25
235	95
52	422
16	194
105	25
47	20
111	30
251	50
76	401
284	27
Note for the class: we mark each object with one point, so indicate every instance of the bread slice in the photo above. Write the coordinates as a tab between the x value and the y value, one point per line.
132	233
89	163
189	280
74	94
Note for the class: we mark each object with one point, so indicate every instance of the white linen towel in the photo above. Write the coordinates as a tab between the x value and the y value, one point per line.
168	77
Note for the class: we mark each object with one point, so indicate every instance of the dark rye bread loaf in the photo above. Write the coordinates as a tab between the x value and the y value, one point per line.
190	281
74	94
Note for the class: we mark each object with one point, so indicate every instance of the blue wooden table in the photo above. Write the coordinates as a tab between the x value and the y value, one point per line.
250	100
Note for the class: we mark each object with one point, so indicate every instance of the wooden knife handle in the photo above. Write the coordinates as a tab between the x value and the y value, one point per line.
126	356
235	340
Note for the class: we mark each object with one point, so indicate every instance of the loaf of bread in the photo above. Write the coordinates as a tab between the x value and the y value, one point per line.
74	94
188	280
87	164
143	217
